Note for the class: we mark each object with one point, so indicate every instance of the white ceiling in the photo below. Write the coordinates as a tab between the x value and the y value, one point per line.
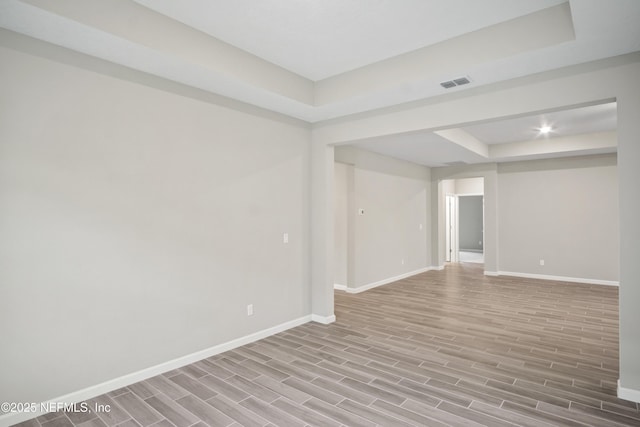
324	59
425	148
595	118
520	135
322	38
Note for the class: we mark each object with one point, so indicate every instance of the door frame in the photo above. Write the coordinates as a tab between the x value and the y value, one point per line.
451	228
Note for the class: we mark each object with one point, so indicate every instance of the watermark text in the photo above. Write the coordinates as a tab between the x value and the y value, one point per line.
82	407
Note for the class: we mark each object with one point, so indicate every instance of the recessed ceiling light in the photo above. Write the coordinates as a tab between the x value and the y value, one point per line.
545	130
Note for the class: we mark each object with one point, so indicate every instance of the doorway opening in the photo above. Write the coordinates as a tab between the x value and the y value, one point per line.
464	220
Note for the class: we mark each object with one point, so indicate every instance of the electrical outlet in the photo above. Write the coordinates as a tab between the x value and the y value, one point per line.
250	310
285	238
541	262
402	262
420	227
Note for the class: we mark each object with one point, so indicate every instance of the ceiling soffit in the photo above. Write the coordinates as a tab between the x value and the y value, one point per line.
127	33
148	41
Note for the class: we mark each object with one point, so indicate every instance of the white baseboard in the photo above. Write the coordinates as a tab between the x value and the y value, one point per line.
491	273
387	281
557	278
438	267
628	393
325	320
338	287
10	419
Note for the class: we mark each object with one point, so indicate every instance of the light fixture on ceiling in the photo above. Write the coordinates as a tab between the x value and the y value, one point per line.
456	82
545	130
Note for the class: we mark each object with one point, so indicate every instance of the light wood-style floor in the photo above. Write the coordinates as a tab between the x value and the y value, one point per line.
450	347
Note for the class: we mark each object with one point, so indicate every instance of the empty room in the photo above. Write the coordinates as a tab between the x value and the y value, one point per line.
331	213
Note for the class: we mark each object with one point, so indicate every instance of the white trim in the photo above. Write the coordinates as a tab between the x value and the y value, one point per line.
628	393
438	267
387	281
491	273
558	278
90	392
338	287
325	320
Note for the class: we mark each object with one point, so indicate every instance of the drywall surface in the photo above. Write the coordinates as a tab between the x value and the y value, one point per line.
136	225
629	173
389	219
343	174
562	211
470	223
468	186
449	187
322	232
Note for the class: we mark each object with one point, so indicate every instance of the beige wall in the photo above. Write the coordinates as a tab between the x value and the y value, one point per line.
563	211
391	237
474	186
342	197
136	225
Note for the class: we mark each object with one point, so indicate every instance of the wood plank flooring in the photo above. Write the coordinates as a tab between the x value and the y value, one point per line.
443	348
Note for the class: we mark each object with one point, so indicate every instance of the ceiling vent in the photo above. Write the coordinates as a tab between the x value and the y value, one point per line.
456	82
